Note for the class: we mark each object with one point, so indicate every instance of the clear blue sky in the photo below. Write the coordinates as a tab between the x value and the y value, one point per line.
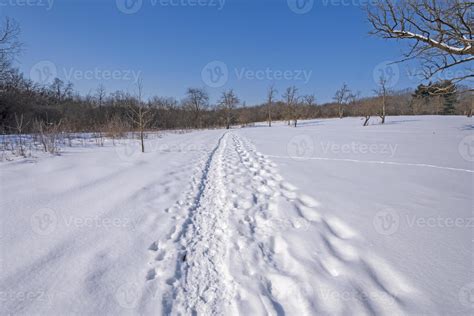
168	42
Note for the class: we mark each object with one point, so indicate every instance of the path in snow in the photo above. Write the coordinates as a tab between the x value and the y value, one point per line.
246	241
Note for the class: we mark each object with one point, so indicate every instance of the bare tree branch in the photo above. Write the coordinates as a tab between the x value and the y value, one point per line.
440	32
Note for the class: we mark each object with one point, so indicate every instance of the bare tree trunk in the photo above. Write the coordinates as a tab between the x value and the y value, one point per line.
270	96
366	122
19	127
291	99
382	92
142	141
383	110
295	113
437	104
228	102
139	115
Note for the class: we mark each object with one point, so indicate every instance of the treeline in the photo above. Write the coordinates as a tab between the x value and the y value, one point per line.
27	107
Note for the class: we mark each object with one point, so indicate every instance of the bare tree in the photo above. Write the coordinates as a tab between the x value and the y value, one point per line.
309	101
10	46
139	114
61	90
291	101
382	92
342	97
20	126
228	102
270	98
440	32
197	101
100	94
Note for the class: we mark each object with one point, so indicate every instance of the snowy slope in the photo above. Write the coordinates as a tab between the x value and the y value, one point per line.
328	218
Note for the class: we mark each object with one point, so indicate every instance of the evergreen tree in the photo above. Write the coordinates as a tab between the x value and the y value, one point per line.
444	90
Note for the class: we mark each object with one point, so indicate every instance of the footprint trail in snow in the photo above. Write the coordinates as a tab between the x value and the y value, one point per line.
247	242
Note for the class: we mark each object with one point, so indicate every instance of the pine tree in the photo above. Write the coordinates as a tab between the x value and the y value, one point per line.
444	90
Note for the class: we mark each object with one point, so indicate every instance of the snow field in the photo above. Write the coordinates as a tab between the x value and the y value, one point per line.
247	221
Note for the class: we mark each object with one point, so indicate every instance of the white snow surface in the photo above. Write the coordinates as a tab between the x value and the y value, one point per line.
329	218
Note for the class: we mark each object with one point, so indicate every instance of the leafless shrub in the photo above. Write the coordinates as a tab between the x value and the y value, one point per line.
116	128
49	134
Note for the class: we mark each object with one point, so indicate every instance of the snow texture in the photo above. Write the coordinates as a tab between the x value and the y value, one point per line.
330	218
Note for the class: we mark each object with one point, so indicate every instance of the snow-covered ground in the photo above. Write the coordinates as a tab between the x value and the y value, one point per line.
326	218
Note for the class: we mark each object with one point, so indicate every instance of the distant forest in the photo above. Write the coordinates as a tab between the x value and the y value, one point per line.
37	105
